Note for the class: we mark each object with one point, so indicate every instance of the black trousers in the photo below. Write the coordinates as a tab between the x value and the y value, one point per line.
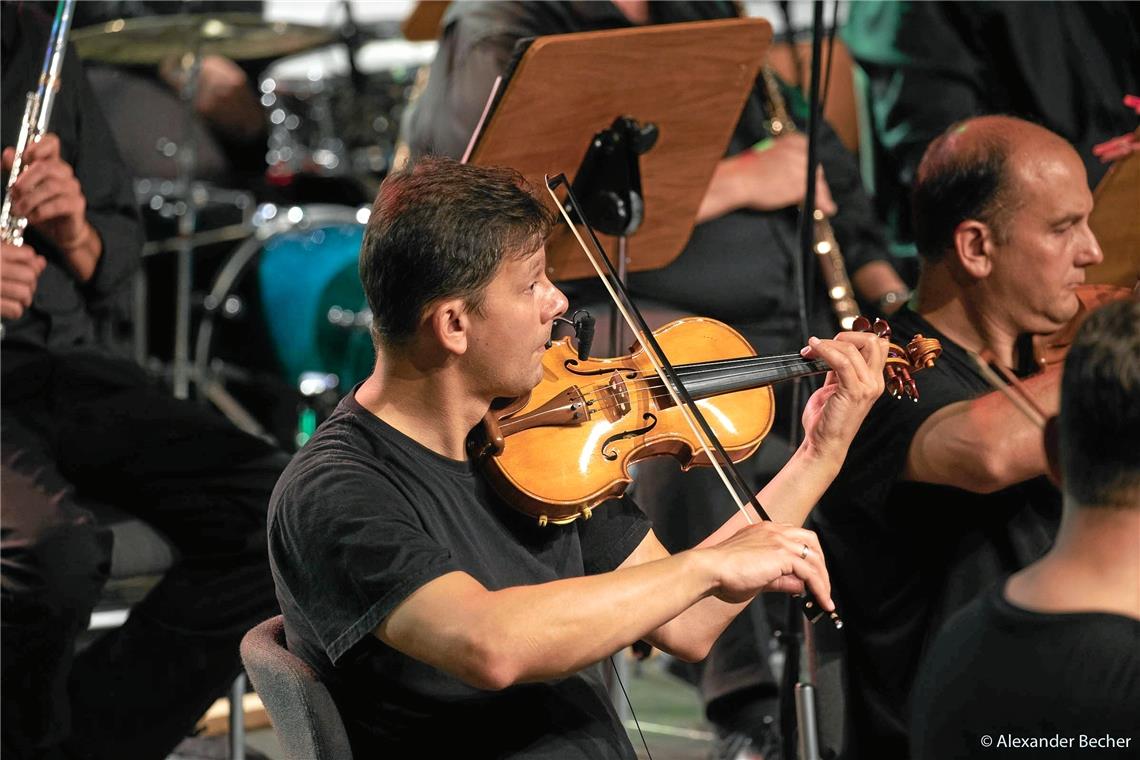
95	426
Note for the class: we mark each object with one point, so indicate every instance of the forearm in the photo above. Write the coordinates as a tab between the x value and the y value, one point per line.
724	192
875	279
493	639
84	253
985	444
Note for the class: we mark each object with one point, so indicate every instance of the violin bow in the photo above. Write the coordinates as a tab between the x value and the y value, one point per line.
729	475
1011	387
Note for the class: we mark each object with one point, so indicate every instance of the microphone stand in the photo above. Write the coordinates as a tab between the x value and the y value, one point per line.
799	660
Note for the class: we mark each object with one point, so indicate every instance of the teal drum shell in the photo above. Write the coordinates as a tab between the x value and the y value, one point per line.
298	276
312	302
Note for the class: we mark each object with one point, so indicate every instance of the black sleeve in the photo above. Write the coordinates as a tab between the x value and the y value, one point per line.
346	548
878	455
106	185
615	529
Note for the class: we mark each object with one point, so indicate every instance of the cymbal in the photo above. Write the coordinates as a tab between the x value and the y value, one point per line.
152	39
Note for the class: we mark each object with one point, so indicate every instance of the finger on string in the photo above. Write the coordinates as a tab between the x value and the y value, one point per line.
871	346
833	355
846	361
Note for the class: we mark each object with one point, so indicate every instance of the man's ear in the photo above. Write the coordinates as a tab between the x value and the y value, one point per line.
449	321
973	248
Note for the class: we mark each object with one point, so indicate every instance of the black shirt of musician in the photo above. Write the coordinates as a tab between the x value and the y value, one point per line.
63	308
1028	684
363	517
905	556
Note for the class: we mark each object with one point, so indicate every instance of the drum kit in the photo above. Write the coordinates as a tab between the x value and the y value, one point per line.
282	327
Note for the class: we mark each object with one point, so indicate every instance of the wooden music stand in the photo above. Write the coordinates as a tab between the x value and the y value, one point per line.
690	79
1115	221
422	24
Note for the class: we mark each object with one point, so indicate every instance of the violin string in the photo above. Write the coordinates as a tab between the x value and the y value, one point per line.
654	384
749	362
697	375
721	368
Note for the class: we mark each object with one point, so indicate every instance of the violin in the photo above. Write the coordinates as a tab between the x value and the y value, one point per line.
1051	349
567	446
1049	352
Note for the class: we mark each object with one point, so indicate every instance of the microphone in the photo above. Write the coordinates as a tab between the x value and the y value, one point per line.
583	325
584	329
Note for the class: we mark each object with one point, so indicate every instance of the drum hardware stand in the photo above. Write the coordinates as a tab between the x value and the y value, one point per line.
183	370
185	153
609	184
185	158
166	207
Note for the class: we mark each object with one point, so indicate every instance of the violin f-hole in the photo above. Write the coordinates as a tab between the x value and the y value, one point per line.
612	455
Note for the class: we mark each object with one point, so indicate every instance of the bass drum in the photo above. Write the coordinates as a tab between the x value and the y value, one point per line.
285	326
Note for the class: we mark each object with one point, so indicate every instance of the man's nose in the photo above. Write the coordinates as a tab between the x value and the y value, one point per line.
558	303
1090	253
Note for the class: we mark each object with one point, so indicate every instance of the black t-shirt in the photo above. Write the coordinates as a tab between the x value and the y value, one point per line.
362	517
905	556
1058	681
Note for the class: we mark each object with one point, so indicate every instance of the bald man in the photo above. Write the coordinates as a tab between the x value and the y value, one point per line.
940	499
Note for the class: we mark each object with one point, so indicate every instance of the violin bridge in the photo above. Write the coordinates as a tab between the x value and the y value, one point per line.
616	398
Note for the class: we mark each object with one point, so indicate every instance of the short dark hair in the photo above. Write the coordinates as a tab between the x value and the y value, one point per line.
440	229
959	180
1100	409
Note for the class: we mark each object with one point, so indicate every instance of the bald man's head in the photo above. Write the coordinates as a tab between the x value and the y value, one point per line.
972	171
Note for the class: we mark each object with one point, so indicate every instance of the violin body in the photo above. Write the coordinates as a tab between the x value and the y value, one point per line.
1051	349
570	444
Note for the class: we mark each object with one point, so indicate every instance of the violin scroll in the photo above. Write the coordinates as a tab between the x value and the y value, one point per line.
920	353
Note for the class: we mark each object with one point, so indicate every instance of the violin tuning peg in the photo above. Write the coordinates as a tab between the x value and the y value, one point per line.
861	324
881	328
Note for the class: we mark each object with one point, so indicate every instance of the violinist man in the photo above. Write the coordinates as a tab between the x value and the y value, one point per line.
939	499
1065	631
738	267
442	620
